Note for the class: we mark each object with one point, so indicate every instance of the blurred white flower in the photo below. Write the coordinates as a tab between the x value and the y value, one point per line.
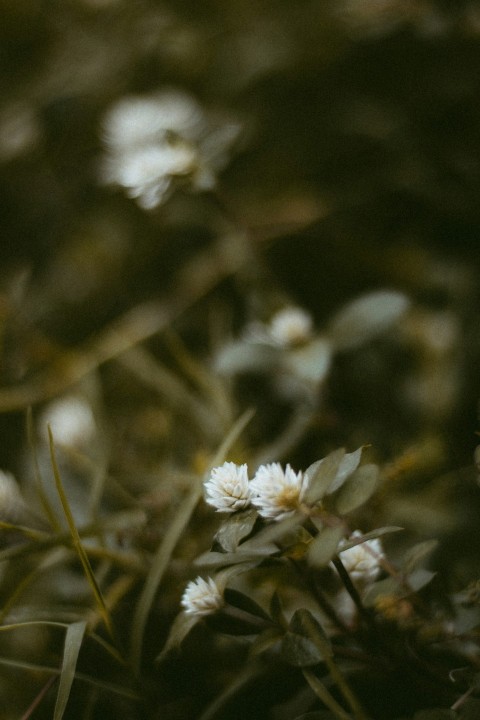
202	597
71	420
276	493
228	488
11	501
362	561
156	139
291	326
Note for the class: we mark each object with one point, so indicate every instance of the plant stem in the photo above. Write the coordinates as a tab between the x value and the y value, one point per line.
322	693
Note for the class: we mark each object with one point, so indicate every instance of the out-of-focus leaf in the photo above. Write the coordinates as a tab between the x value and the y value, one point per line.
179	630
416	554
317	715
366	317
235	528
320	475
311	362
218	559
357	489
272	533
299	651
436	714
73	643
243	356
224	623
322	549
304	623
276	610
244	602
383	588
266	640
419	578
370	536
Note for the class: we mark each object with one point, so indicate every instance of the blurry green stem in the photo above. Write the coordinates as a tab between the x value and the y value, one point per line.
321	692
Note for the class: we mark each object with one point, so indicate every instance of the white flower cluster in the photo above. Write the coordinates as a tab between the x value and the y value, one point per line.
275	492
163	138
362	561
291	326
202	597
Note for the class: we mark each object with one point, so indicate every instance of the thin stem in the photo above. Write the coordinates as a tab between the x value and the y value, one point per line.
323	694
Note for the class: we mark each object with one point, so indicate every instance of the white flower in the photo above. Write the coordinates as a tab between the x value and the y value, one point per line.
291	326
362	561
71	419
11	500
276	493
202	597
156	139
143	120
228	489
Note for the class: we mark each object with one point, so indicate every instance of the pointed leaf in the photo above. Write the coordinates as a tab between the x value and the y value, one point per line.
235	528
244	602
322	549
348	465
224	623
366	317
265	640
304	623
73	643
311	362
370	536
181	627
320	476
416	554
420	578
217	559
299	651
357	489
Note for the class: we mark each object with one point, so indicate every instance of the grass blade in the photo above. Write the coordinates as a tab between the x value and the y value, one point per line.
170	540
77	544
73	643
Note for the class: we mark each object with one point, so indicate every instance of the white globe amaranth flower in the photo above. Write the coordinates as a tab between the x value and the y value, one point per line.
291	326
71	420
142	120
11	501
277	493
362	561
202	597
228	488
156	140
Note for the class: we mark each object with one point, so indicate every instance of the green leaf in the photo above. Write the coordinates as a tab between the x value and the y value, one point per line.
416	554
242	356
235	528
311	362
272	533
387	587
322	549
244	602
170	540
320	476
77	543
420	578
304	623
276	610
365	317
357	489
299	651
266	640
181	627
227	624
218	559
370	536
73	643
435	714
